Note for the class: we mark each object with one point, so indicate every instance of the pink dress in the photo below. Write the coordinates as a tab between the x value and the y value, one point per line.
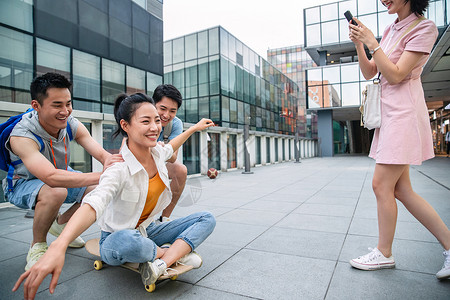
405	133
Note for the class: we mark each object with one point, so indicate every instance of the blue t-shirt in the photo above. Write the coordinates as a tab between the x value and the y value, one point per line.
177	128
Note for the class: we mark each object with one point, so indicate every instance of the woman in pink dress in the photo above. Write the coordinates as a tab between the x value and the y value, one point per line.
404	137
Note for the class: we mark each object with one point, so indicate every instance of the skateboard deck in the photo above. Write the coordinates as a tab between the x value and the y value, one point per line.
92	246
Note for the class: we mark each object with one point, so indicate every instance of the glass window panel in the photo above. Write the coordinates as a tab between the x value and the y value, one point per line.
153	81
232	48
315	96
181	112
231	151
135	81
240	111
224	43
178	50
86	75
17	14
331	75
334	94
214	77
313	35
329	12
312	15
80	159
347	5
214	108
168	53
224	81
239	83
225	109
191	82
343	31
314	76
202	42
191	107
203	107
113	80
203	77
51	57
366	7
190	46
350	94
233	111
232	79
86	105
350	72
16	59
213	41
330	33
370	21
178	77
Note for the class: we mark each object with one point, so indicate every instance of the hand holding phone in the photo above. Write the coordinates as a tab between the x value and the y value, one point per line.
349	17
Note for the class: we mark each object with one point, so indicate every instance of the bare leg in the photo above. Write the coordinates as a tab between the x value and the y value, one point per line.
421	210
176	251
64	218
48	202
178	174
384	181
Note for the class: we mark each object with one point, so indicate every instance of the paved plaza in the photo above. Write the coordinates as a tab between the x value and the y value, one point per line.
287	231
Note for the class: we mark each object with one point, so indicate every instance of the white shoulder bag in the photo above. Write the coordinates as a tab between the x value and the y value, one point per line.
371	101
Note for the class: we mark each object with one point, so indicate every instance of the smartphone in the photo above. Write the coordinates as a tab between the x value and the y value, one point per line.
349	17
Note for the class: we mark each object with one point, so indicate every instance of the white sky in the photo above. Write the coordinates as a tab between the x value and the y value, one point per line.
260	24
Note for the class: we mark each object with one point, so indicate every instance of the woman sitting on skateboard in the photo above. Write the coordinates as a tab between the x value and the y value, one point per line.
129	197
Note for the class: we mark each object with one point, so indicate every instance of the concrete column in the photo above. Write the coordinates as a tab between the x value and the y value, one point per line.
272	150
223	151
251	146
325	131
263	150
97	134
203	152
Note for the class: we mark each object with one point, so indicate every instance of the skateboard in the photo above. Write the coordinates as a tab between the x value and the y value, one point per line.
92	246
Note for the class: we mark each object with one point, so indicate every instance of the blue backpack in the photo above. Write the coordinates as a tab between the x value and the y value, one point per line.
5	160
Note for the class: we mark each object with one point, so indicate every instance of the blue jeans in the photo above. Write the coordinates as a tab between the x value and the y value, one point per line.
130	246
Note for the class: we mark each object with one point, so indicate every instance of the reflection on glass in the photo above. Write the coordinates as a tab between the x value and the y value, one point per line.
202	43
347	5
51	57
350	72
343	31
231	151
191	107
191	154
109	144
178	50
350	94
86	76
213	41
135	80
113	80
153	81
18	14
190	42
331	74
314	74
80	159
167	53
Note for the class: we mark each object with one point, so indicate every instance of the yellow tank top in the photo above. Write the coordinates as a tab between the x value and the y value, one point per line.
155	188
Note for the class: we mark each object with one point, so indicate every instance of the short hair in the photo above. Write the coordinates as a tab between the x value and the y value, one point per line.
169	91
125	106
40	85
418	6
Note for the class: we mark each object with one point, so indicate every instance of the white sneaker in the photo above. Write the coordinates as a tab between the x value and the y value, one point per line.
191	259
150	271
35	253
56	230
445	271
374	260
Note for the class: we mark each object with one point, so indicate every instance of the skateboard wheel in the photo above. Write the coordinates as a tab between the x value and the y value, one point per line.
150	288
174	277
98	265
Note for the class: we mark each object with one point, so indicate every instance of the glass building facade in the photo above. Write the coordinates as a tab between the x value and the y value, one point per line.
105	47
224	80
293	62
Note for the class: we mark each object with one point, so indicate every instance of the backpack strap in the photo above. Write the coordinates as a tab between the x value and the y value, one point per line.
167	131
11	168
69	131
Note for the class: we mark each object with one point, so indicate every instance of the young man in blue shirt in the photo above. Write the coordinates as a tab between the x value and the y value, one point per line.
168	99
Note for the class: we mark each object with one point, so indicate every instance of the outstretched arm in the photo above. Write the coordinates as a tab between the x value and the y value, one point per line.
180	139
52	261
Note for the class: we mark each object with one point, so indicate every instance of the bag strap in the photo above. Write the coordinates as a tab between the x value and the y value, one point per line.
411	27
